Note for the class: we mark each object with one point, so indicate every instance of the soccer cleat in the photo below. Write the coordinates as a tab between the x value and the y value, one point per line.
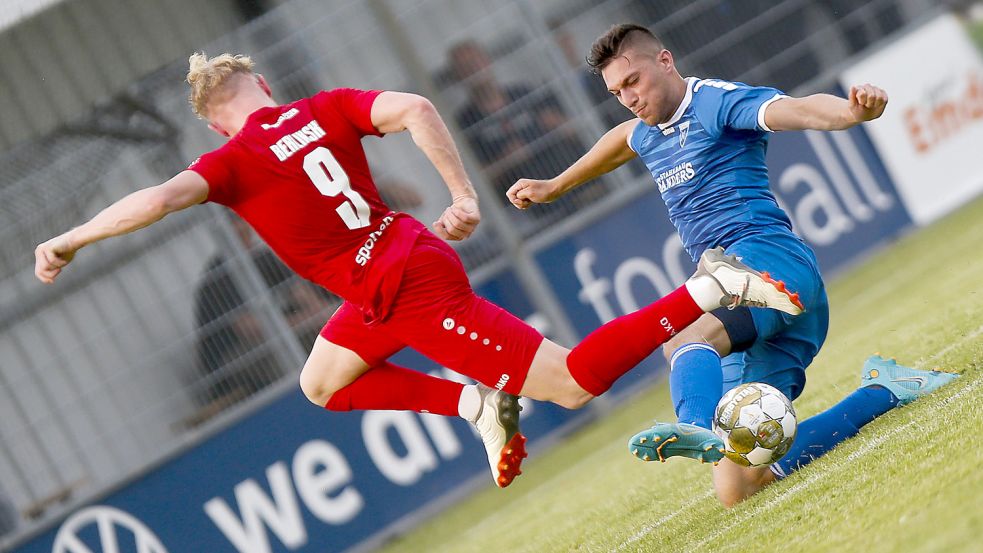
498	425
678	439
742	285
905	383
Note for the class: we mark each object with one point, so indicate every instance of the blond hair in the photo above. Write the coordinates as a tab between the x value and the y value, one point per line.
208	77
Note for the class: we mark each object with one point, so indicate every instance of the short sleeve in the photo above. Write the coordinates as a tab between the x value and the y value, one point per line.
727	105
216	171
353	104
636	135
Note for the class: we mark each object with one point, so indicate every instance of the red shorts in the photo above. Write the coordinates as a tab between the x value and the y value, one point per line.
437	313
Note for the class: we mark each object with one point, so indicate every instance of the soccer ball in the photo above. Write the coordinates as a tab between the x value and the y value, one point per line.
756	423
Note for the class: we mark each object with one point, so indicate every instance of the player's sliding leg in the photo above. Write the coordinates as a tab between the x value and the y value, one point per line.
495	414
337	379
619	345
884	385
696	384
347	370
694	356
696	376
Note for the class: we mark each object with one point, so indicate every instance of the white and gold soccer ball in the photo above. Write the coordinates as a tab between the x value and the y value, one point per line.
756	423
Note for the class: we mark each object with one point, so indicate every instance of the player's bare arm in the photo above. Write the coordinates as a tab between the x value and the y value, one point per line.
400	111
825	112
134	211
609	153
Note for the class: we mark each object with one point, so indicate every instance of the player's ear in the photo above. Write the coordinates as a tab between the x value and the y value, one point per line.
665	58
218	129
264	85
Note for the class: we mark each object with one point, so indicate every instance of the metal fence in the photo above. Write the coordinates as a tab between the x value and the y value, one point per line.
155	340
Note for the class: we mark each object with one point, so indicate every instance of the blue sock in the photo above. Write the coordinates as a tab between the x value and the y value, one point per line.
821	433
695	383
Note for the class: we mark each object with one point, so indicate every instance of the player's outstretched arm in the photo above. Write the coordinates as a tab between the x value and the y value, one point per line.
825	112
609	153
401	111
132	212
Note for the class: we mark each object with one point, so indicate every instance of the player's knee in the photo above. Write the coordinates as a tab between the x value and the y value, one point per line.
316	388
734	483
730	489
573	398
729	497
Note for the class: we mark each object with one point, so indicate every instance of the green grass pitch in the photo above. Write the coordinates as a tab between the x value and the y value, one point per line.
911	481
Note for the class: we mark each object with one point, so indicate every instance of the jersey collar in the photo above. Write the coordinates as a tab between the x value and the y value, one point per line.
687	98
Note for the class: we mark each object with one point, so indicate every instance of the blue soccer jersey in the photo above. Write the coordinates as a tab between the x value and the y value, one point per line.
708	161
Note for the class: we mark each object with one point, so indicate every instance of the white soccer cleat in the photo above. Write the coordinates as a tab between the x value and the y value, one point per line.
742	285
498	425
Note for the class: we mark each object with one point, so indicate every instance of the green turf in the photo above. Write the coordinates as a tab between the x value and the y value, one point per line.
909	482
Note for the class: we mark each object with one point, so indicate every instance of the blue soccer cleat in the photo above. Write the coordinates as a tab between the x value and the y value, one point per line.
668	439
905	383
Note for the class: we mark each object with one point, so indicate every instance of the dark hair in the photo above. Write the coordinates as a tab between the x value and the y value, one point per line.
610	45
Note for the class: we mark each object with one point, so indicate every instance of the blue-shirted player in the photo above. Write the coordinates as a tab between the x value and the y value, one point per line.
704	141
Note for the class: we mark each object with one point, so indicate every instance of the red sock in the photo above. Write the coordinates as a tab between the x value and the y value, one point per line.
391	387
615	348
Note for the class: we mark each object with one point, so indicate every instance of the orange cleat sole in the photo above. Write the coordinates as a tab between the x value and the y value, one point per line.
511	460
794	297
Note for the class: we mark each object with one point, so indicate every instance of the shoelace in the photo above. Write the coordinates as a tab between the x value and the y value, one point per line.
742	299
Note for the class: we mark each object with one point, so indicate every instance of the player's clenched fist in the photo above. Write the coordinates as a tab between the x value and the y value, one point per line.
51	256
867	102
526	192
459	220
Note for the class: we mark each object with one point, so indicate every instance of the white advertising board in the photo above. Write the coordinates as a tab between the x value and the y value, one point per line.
931	135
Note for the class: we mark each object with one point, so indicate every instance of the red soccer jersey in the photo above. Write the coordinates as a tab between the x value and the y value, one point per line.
298	174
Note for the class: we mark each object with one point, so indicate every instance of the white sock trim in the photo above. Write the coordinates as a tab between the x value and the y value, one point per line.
690	347
469	404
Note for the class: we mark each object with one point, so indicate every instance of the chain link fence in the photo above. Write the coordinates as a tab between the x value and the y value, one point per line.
153	341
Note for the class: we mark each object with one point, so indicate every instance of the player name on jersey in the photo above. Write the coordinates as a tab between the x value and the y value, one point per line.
291	143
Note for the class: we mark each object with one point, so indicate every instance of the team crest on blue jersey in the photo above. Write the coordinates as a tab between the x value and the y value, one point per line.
683	133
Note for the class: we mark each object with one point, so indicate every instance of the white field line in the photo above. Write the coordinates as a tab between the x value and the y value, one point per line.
649	527
942	352
868	446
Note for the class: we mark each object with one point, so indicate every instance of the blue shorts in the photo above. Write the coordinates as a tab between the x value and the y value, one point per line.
785	344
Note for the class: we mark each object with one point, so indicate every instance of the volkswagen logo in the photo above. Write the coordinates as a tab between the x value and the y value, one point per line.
114	527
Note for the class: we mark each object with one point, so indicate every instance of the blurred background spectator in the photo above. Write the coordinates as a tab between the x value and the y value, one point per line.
234	353
516	130
8	515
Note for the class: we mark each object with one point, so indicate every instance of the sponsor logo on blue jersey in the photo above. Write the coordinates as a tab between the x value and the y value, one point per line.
677	175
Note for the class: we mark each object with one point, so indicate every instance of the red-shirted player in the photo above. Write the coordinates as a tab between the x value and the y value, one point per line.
298	174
